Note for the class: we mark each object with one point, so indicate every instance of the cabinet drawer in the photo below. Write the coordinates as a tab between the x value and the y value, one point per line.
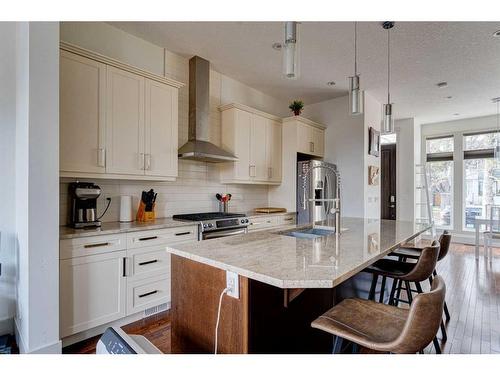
257	223
162	236
287	219
143	294
77	247
148	262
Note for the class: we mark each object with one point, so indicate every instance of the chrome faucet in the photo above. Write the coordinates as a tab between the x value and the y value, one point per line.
336	205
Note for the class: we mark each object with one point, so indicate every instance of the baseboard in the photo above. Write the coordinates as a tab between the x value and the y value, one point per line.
6	326
52	348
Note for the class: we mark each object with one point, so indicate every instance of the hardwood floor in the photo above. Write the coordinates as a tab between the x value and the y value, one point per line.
473	297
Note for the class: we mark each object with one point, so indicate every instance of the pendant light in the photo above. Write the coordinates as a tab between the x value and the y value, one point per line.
387	120
291	51
355	94
497	140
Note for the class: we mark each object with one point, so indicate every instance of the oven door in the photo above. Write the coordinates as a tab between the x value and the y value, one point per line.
223	233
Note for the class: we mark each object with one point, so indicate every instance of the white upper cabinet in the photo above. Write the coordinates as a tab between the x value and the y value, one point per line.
116	121
255	138
81	116
125	123
310	135
161	129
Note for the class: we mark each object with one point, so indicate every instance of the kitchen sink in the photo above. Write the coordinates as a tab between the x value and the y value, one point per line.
308	233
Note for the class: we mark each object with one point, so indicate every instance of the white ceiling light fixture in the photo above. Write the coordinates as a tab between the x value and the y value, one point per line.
387	119
497	140
355	94
290	47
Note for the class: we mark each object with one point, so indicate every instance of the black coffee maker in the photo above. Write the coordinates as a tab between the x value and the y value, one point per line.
83	203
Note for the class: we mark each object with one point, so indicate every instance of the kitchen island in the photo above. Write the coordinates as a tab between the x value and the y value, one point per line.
285	282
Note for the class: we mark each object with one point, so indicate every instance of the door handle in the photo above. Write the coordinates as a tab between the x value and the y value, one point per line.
148	238
147	294
270	172
148	262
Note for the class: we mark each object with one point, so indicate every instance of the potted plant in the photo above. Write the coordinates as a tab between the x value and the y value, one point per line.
296	106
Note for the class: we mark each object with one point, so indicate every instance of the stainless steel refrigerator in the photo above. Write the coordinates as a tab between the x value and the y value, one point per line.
319	185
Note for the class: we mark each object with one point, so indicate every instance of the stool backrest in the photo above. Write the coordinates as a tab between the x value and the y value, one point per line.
423	321
444	243
425	265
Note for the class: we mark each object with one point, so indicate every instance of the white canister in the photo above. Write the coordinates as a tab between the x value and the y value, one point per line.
126	209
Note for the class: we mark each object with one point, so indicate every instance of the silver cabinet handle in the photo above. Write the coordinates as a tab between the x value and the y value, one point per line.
251	170
142	161
101	157
270	172
148	162
311	146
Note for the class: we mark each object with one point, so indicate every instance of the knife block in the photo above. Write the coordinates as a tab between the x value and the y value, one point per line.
143	215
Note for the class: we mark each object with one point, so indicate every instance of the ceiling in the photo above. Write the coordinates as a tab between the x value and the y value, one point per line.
464	54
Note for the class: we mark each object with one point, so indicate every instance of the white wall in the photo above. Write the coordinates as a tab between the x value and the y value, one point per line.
37	188
198	182
346	144
7	174
372	118
405	169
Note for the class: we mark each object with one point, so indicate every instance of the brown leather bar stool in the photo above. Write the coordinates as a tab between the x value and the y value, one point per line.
403	272
383	327
407	252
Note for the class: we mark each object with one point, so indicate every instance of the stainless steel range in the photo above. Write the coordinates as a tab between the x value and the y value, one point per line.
217	224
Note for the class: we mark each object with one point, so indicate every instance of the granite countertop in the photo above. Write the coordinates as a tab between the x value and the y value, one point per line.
289	262
66	232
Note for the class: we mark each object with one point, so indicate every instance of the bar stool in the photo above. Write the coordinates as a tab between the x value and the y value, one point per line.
383	327
407	252
403	272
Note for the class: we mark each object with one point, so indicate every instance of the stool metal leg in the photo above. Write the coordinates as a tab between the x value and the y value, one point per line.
337	345
398	294
382	290
371	295
436	345
408	292
393	291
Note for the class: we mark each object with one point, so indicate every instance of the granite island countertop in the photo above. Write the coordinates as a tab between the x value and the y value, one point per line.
288	262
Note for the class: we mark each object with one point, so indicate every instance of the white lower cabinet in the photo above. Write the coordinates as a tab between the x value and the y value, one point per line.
105	278
269	221
92	291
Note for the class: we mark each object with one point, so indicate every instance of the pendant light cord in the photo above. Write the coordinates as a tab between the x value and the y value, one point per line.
388	66
355	48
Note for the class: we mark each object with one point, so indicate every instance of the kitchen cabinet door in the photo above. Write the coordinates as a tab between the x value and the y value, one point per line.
124	122
81	114
318	139
304	138
273	150
92	291
258	160
241	139
160	129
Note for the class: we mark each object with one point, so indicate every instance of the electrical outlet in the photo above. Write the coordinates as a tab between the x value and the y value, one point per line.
232	284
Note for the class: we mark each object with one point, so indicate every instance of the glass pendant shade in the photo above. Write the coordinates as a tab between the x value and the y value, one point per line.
355	96
387	120
290	48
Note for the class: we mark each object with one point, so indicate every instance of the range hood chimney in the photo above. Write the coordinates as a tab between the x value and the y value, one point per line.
198	147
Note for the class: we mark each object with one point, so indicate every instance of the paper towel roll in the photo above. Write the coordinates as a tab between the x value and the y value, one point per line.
126	209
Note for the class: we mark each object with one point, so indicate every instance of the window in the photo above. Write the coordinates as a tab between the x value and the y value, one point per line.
480	176
440	165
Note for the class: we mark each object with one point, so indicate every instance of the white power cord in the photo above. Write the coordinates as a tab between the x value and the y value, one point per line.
218	318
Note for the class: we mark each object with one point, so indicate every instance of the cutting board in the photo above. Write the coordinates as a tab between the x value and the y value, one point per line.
269	210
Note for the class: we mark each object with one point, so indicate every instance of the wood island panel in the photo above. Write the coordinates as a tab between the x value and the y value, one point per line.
196	290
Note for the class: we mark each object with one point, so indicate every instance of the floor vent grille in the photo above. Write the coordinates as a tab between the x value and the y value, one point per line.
156	309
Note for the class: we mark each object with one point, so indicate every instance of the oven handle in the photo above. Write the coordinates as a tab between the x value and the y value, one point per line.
211	235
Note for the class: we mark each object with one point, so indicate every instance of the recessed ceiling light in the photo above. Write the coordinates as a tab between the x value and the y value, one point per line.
449	97
496	34
456	114
330	83
495	100
442	85
277	46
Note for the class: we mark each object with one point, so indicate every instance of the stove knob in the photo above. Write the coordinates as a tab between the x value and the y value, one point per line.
205	225
242	221
246	221
210	225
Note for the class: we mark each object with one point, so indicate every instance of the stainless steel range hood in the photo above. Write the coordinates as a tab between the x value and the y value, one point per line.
198	147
